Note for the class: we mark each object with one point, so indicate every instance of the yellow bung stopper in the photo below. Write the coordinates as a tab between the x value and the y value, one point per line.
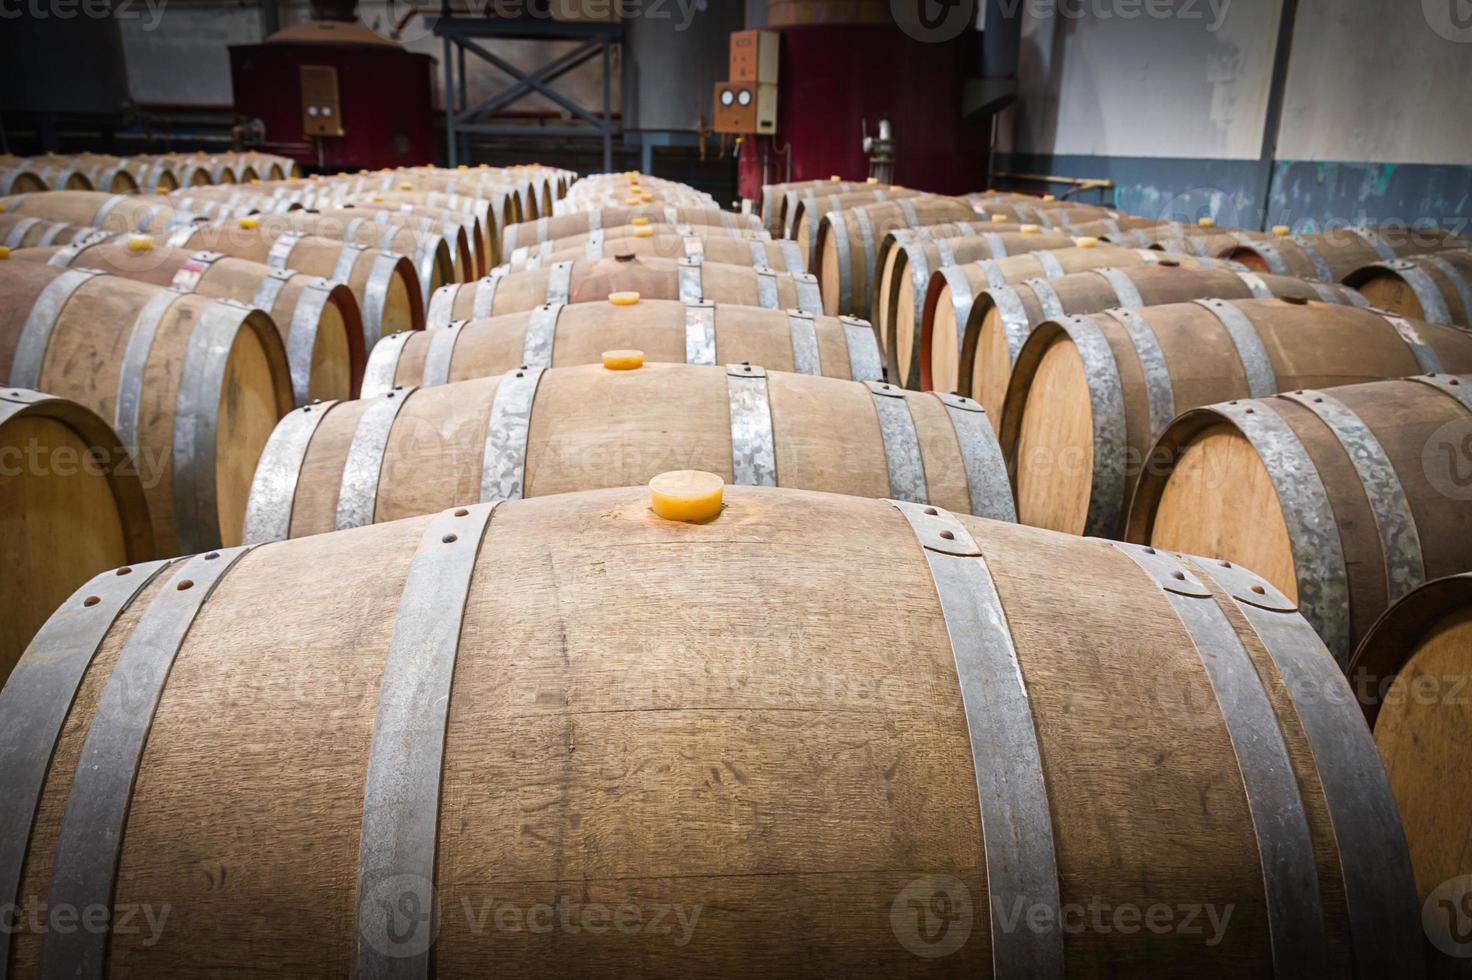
2	209
1282	231
623	360
4	252
646	197
249	223
643	231
1028	229
140	243
627	297
1206	222
255	180
160	190
639	222
686	495
1000	219
835	178
871	180
463	167
404	185
1086	242
1049	197
631	200
377	198
481	166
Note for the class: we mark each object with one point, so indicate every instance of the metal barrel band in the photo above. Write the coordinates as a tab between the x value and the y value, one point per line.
131	373
804	335
1459	283
1400	541
383	363
440	357
791	256
945	251
1426	357
34	704
858	288
1313	534
700	333
757	250
593	247
1106	403
268	290
988	489
838	233
1047	298
1449	385
91	835
342	270
19	229
767	293
908	207
1379	889
279	252
273	489
301	337
1012	796
375	296
1159	392
1123	286
1284	844
1256	364
919	269
40	323
865	362
1271	254
484	301
1428	294
996	245
1380	245
1255	285
689	281
1016	322
902	454
1321	267
1325	292
753	443
503	461
401	794
992	269
809	296
357	497
559	282
541	336
1052	268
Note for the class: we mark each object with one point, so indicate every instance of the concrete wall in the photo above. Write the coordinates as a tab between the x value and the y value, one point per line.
1375	122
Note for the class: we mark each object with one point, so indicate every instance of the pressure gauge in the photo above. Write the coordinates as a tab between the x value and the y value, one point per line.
744	97
727	97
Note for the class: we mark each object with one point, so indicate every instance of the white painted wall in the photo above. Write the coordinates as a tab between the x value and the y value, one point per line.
1372	80
1122	80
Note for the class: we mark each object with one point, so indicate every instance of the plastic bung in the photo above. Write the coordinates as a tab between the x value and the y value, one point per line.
249	223
686	495
643	231
627	297
646	197
1000	219
623	360
463	167
1028	229
871	180
1206	222
1086	242
160	190
404	185
4	252
632	200
1049	197
377	198
255	180
639	222
835	178
140	243
1282	231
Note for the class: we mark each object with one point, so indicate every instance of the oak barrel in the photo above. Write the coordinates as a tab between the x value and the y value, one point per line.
1089	395
1331	255
695	730
1345	498
1435	287
846	253
698	243
563	335
564	225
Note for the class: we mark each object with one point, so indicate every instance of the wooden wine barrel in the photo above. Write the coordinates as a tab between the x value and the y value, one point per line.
526	197
430	252
193	386
1435	287
18	231
978	357
1329	256
29	175
650	277
1340	497
846	253
1089	395
626	678
901	342
188	171
564	225
102	173
696	243
1410	674
1052	214
472	254
114	212
1205	240
665	330
782	13
778	198
492	213
71	505
384	284
318	319
808	212
536	431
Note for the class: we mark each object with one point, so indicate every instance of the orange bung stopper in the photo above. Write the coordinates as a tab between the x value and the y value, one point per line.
627	297
623	360
691	496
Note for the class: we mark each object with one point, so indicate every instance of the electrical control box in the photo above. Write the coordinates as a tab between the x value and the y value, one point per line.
746	107
321	110
754	56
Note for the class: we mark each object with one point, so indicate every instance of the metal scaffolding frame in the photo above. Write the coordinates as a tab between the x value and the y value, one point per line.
461	34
